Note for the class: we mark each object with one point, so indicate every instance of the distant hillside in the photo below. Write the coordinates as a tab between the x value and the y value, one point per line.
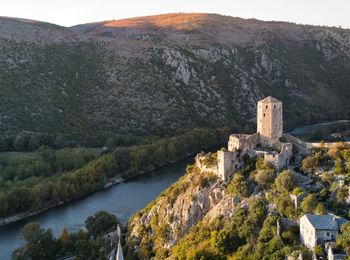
159	73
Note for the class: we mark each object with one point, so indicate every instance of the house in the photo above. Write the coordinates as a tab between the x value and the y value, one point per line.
333	253
337	135
318	229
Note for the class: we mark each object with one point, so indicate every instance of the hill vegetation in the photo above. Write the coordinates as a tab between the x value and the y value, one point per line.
203	217
156	74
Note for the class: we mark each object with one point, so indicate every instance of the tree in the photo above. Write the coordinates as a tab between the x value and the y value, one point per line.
342	194
309	203
238	185
65	242
40	243
34	142
343	240
100	223
297	191
339	166
110	143
285	181
317	250
225	241
3	205
265	178
320	209
20	142
285	205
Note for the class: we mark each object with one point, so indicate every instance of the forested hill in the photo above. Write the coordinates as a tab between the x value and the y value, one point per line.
159	73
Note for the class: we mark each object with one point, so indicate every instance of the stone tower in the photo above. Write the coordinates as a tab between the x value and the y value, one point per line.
270	121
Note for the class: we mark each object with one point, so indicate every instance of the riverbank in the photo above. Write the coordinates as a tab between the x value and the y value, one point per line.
27	214
111	182
329	131
122	200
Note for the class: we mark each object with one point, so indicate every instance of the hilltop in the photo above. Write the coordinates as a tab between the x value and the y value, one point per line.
253	215
159	73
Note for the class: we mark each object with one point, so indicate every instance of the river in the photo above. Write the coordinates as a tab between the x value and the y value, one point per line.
123	200
326	128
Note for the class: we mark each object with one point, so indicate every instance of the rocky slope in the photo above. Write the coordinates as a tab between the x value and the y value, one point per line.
199	200
195	197
158	73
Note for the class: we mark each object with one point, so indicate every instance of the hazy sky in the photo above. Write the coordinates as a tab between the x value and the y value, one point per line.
71	12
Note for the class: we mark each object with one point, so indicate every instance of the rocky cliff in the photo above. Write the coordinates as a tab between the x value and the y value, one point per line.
198	198
159	73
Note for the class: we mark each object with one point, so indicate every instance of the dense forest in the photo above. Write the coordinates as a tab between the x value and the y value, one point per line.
31	141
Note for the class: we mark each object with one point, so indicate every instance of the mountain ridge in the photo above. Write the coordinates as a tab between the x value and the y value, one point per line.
145	78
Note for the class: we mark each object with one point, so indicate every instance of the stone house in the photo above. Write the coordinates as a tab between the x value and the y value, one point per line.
319	229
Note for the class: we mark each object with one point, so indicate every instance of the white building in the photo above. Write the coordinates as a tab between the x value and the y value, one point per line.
319	229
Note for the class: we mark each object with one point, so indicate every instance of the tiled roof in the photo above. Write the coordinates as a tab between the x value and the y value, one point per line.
327	222
270	99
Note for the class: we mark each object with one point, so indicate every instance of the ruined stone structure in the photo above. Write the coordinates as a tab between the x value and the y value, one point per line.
265	143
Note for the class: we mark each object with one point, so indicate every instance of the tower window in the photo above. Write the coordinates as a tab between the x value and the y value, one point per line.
266	106
264	115
274	106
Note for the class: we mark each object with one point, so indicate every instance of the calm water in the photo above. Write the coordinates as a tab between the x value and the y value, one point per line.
333	126
122	200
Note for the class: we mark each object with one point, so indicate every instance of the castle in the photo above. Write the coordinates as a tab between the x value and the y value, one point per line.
265	143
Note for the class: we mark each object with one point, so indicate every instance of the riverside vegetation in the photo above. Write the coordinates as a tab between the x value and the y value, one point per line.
56	176
87	243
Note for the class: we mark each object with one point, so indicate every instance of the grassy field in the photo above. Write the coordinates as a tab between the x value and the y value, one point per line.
4	156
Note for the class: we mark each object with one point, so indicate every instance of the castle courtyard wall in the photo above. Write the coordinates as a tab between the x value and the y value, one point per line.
282	159
228	162
243	142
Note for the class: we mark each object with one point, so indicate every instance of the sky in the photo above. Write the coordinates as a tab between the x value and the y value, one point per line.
72	12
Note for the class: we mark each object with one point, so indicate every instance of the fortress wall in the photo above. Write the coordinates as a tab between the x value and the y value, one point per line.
228	162
283	158
199	162
309	145
243	141
326	145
